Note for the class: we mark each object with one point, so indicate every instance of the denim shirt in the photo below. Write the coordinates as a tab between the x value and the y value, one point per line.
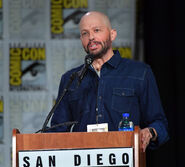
124	85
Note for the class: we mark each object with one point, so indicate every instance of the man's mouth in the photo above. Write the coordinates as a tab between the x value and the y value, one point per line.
93	45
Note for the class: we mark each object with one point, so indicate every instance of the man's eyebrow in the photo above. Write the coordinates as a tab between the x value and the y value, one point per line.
92	28
83	30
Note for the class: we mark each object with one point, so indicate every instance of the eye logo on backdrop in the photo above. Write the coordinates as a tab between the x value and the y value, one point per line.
65	16
27	68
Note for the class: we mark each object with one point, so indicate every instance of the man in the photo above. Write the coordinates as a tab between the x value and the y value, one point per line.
111	86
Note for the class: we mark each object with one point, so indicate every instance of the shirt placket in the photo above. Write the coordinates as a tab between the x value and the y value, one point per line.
99	106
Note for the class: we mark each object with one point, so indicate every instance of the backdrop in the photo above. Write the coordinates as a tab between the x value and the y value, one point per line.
39	41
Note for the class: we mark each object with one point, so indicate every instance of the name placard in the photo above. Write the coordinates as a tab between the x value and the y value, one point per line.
122	157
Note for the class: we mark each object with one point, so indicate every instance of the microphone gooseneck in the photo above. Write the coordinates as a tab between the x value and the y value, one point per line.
72	77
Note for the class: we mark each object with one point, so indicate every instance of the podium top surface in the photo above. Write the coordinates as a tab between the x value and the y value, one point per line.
73	140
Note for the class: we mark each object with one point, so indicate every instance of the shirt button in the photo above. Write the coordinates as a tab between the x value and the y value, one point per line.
123	94
100	115
100	97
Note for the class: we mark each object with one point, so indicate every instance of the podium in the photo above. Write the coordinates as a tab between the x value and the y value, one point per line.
80	142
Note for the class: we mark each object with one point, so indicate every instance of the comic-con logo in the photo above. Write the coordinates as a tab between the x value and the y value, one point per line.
65	16
25	66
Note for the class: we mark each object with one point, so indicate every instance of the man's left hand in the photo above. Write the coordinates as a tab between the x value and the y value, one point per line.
145	137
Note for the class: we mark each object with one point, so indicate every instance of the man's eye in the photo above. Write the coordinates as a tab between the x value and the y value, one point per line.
97	30
84	33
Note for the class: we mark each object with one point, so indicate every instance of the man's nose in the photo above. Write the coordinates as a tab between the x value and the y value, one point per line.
91	36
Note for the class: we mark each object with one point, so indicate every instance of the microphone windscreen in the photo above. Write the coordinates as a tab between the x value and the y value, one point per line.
89	59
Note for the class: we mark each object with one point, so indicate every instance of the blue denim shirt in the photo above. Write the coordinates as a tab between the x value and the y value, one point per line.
124	85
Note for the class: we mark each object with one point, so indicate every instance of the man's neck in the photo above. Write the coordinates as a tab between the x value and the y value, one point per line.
98	63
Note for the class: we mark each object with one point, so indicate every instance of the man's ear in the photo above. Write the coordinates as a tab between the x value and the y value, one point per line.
113	34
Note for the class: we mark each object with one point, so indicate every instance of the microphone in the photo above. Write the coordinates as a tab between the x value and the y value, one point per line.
88	61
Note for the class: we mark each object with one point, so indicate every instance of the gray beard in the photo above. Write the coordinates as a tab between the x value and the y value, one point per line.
103	51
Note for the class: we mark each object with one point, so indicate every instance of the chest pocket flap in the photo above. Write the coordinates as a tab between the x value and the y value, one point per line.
123	92
123	99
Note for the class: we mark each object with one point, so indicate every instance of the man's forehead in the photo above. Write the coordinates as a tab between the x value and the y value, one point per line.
93	27
92	19
92	23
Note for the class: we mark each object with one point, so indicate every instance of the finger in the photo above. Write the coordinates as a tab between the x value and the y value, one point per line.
146	137
145	142
144	146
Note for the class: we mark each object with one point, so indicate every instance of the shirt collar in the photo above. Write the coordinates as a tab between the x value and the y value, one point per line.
115	59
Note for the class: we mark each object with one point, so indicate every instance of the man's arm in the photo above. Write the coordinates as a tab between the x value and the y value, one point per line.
152	114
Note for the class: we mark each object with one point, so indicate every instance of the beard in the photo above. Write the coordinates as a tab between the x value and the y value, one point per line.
106	45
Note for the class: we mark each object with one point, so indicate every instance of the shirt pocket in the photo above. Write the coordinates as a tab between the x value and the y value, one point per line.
123	99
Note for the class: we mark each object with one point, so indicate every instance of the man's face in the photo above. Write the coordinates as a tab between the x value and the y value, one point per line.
95	36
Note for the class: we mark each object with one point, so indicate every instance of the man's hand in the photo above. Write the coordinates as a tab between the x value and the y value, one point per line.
146	136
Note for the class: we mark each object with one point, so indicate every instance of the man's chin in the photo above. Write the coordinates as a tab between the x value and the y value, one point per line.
96	54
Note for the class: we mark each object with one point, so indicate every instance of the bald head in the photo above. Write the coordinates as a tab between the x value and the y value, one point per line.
97	16
97	35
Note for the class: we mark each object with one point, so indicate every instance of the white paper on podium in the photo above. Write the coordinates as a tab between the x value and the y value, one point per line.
97	127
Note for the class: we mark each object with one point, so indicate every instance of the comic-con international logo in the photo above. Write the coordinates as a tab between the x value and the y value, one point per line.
27	68
65	16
